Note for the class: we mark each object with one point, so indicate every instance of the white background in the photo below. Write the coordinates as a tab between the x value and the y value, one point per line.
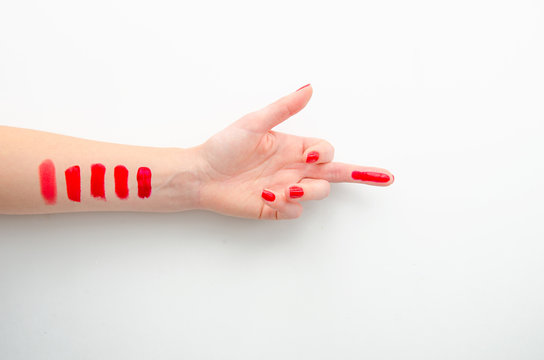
447	263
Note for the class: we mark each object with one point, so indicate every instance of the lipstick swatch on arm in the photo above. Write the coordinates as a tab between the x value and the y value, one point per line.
121	181
144	182
73	183
98	172
48	181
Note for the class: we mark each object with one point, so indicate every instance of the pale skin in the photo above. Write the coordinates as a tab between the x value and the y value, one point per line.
227	174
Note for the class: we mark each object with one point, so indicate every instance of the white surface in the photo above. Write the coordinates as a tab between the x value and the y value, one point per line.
445	264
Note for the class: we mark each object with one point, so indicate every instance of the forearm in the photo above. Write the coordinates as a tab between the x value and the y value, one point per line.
47	173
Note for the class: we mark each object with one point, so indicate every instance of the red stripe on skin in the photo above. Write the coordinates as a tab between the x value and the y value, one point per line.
48	181
121	181
98	172
144	182
73	183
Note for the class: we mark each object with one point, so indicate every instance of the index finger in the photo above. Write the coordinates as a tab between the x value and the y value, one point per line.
341	172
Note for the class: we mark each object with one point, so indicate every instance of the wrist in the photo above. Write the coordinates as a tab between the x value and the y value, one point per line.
184	181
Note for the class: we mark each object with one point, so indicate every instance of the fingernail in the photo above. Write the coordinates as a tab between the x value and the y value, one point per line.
268	195
303	87
370	176
295	192
312	157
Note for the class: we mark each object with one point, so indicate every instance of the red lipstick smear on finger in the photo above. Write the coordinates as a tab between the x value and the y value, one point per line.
73	183
370	176
98	172
121	181
48	181
144	182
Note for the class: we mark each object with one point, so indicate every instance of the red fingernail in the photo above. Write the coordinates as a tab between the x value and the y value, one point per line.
370	176
312	157
303	87
295	192
268	195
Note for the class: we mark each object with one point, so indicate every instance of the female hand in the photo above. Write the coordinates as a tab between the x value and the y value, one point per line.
250	170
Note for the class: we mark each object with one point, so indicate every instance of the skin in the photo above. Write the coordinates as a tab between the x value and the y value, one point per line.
227	174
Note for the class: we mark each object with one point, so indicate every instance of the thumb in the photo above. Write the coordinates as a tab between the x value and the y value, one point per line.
280	110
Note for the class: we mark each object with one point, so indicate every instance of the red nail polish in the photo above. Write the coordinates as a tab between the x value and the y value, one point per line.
370	176
303	87
312	157
295	192
268	195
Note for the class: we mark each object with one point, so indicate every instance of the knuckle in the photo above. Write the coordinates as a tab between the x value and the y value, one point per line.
268	143
336	174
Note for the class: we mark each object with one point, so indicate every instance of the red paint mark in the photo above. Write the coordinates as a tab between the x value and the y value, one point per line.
121	181
370	176
295	192
268	195
73	183
312	157
144	182
98	172
303	87
48	181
